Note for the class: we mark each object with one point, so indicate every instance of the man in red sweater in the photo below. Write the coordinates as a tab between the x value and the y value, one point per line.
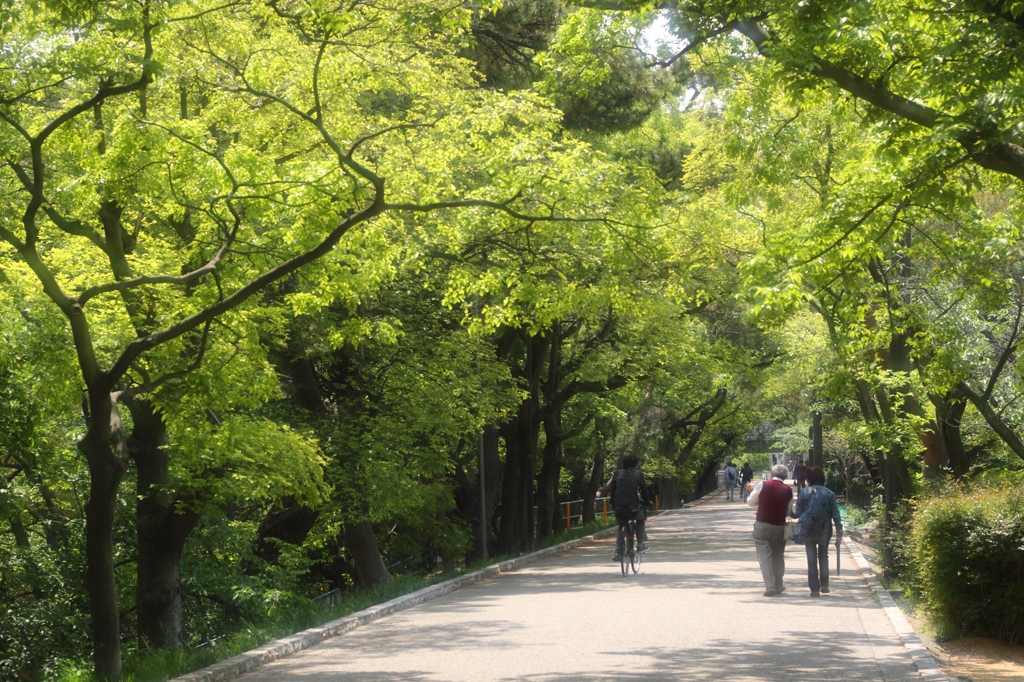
772	499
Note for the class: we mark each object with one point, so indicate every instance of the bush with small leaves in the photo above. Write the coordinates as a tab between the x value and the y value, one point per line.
967	547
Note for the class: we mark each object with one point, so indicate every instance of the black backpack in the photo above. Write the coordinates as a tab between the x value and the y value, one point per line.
628	484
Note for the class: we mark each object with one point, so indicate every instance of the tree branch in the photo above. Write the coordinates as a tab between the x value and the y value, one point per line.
999	156
150	386
995	422
1004	357
401	126
503	206
692	43
142	280
142	344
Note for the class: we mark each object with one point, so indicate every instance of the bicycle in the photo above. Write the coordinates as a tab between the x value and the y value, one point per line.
631	554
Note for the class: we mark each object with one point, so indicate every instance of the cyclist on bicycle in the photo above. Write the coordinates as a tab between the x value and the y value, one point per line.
628	491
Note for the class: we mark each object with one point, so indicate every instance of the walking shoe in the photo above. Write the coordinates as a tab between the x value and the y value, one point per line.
815	594
643	547
780	589
824	589
617	557
771	592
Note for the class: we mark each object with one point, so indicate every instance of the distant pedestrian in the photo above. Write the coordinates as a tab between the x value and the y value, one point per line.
731	476
816	511
772	499
746	476
800	474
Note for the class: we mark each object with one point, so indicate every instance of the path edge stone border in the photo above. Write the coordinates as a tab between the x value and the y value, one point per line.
926	664
236	666
248	661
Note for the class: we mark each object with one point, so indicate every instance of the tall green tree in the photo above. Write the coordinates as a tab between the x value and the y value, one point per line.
188	174
948	71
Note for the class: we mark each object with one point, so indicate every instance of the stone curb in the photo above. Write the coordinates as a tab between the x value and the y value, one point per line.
236	666
926	664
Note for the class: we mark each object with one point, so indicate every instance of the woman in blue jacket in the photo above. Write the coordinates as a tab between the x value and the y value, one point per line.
817	509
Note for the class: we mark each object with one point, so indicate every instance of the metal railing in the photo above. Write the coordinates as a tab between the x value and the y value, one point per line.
328	598
602	510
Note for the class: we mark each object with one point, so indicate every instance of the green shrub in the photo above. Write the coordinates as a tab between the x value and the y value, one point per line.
853	515
967	547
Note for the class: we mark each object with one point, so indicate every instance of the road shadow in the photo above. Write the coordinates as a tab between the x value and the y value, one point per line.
834	657
703	563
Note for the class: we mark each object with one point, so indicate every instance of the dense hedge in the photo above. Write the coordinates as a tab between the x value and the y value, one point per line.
967	547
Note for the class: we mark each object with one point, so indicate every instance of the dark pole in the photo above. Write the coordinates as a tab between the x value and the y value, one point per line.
889	486
818	454
483	503
483	479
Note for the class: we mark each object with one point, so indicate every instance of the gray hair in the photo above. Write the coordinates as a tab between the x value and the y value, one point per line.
780	471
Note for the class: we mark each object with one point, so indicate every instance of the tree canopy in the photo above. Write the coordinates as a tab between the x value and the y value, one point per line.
299	294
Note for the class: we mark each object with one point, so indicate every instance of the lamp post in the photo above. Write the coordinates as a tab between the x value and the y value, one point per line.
817	450
483	502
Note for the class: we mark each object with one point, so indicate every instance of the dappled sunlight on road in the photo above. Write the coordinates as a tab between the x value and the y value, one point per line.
695	612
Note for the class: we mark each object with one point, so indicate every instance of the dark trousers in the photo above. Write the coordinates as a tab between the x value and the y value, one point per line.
817	565
623	516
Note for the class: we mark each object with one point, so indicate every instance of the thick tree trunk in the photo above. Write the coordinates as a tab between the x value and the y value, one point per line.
670	498
536	349
817	449
516	532
708	481
493	475
467	494
896	479
892	496
869	410
949	412
549	521
692	427
99	549
161	528
551	458
897	359
107	457
669	486
548	518
306	387
513	529
18	529
158	589
362	543
904	478
289	523
890	481
936	458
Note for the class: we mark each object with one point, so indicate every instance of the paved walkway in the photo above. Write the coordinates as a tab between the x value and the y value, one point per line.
695	612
